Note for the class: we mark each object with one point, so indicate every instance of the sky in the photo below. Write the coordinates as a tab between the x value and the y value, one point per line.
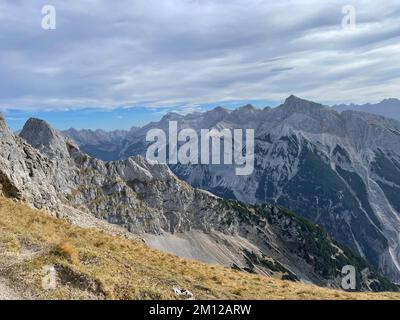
116	64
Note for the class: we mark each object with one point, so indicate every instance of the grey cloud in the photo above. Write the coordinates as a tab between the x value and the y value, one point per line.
106	54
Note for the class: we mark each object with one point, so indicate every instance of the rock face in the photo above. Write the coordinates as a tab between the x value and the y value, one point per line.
48	171
25	172
340	170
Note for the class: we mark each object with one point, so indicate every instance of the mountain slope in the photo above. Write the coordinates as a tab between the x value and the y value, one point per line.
337	170
151	202
341	170
90	264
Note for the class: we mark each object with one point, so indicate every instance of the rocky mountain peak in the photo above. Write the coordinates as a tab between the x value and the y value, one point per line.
218	111
247	108
388	108
215	115
297	104
171	116
293	99
39	134
3	125
247	114
7	140
392	101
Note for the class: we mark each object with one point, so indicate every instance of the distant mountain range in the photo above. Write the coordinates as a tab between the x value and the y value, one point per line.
387	108
45	169
340	170
102	144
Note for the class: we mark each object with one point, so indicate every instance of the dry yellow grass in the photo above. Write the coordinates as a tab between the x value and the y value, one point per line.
94	264
68	251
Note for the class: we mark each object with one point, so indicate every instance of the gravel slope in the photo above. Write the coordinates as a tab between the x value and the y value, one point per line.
6	292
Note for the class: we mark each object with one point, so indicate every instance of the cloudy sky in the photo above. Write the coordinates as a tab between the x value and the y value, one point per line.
190	54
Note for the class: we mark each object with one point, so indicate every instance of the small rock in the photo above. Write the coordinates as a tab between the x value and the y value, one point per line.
183	293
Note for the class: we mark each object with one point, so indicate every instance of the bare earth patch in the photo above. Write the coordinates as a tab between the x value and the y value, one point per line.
6	292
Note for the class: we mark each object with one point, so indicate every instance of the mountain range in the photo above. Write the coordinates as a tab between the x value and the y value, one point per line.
340	170
43	168
388	108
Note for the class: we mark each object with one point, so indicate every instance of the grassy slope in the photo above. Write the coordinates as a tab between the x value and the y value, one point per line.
94	264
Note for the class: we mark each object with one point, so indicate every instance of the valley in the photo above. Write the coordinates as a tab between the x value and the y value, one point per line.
339	170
